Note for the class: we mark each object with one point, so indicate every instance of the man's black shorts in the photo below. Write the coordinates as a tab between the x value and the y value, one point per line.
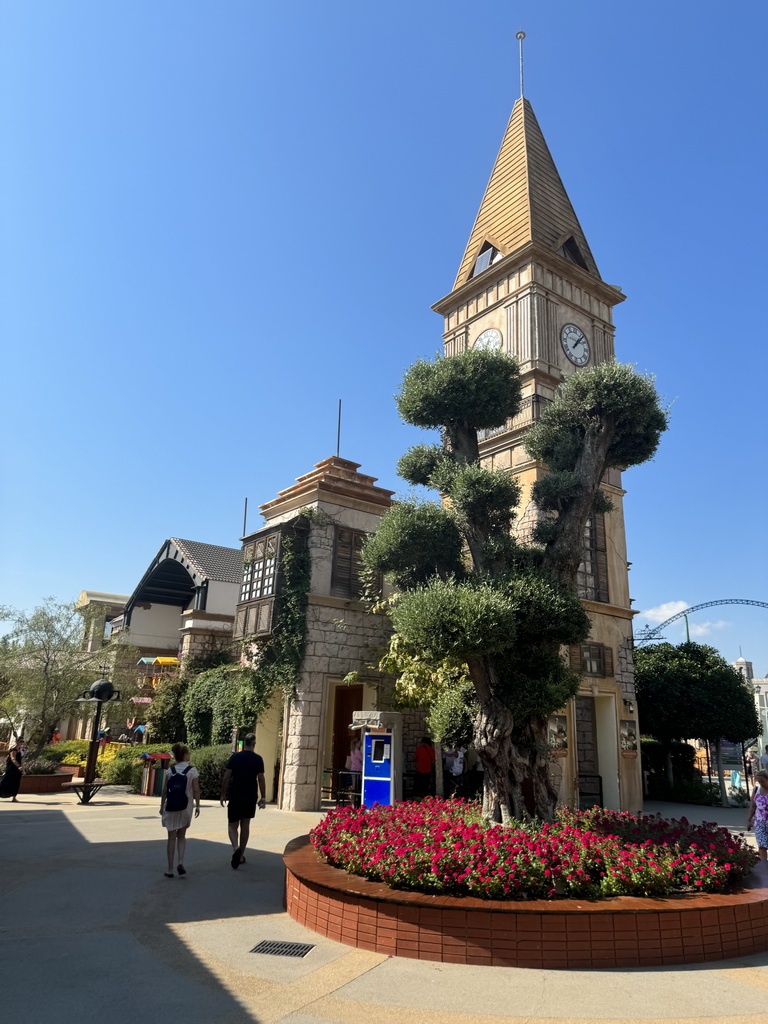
239	809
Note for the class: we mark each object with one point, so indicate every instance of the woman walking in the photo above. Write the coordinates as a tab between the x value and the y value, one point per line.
758	813
11	780
181	787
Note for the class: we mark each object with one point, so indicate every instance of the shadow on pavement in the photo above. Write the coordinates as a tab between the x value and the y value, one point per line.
90	924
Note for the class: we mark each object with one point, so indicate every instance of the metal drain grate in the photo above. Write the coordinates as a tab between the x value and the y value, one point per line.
283	948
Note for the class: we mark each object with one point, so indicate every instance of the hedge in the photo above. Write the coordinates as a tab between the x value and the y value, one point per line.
126	768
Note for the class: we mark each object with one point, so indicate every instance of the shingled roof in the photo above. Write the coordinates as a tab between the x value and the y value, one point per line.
525	200
212	561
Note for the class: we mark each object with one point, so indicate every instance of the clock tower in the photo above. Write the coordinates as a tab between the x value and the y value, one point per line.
529	286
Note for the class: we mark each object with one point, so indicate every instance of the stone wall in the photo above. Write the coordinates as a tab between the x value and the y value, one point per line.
339	641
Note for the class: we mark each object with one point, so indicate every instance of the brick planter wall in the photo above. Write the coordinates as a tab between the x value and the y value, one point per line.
44	783
620	932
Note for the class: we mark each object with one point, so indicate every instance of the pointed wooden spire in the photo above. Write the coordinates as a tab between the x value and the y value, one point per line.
525	201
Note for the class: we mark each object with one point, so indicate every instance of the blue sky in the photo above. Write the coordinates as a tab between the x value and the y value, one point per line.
218	219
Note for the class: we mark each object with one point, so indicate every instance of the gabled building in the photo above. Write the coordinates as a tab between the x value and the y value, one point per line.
528	285
186	596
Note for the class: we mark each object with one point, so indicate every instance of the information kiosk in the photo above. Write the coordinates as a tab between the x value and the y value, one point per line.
381	735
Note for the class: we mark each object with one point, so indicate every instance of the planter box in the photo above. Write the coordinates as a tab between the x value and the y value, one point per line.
75	771
570	934
44	783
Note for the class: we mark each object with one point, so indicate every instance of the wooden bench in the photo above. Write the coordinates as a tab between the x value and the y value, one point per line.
85	790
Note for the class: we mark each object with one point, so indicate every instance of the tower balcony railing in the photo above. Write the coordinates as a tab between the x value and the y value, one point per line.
531	409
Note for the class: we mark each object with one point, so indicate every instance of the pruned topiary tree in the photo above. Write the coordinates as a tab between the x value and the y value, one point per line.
469	592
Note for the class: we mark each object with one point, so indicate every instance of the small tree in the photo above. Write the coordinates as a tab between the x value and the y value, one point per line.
468	590
690	690
46	668
666	690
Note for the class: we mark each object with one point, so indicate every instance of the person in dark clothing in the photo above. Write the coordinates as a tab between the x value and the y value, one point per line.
242	784
11	780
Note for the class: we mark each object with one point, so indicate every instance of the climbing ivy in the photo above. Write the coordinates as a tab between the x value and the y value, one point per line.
226	696
277	659
222	698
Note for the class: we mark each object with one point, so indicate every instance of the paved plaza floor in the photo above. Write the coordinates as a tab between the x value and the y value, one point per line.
90	930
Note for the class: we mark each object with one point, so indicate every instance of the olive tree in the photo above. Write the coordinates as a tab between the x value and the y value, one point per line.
467	589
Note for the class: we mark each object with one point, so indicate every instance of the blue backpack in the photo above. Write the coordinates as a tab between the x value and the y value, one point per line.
176	798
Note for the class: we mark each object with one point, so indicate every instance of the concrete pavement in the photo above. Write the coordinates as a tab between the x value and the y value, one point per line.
90	930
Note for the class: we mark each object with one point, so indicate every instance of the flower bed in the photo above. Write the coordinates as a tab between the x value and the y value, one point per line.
444	847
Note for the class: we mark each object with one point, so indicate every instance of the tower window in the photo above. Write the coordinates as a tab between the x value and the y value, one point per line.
592	577
488	254
572	252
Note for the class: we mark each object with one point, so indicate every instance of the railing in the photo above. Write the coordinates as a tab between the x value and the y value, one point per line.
341	787
531	409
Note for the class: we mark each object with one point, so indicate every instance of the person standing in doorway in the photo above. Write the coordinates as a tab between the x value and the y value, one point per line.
764	761
242	785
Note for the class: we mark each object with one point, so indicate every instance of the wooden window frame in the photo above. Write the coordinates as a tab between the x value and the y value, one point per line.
584	656
595	562
260	573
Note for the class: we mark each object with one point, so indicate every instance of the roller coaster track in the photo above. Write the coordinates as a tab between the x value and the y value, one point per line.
655	633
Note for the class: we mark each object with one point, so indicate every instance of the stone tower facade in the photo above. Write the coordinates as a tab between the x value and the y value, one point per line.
528	285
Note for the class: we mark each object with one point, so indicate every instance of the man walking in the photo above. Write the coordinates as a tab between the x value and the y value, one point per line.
242	774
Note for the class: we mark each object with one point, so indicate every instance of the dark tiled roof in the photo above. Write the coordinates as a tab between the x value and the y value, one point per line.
213	561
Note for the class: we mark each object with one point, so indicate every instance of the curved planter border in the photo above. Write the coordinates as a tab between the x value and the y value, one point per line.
621	932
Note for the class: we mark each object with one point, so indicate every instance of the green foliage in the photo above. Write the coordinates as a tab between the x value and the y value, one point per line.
448	619
165	715
469	592
44	666
606	396
483	499
221	699
119	771
690	691
277	659
226	696
479	389
654	756
60	752
209	761
414	542
420	463
684	791
420	680
451	715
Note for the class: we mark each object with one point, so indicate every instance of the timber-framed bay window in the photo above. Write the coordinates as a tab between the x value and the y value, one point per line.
260	568
592	576
255	612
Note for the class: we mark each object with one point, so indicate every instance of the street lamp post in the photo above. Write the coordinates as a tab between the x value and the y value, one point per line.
102	692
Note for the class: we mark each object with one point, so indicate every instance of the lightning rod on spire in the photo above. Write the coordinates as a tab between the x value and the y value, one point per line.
521	36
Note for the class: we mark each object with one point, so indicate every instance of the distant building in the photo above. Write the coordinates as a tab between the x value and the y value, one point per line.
187	595
760	690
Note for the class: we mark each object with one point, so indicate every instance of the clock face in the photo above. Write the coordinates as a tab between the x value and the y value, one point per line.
575	344
490	339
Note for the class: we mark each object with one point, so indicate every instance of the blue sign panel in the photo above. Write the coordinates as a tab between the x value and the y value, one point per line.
377	769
